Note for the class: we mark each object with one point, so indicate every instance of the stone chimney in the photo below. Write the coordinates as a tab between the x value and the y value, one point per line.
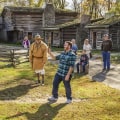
49	15
85	19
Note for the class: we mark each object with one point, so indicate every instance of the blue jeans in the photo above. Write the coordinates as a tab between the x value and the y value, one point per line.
56	82
83	67
106	59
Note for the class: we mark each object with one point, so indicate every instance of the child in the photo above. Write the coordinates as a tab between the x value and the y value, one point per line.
83	61
26	42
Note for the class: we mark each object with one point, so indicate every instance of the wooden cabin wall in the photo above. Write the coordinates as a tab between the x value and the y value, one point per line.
62	18
68	33
28	22
115	35
96	36
25	22
1	23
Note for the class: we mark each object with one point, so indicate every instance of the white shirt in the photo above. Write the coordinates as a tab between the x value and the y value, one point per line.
88	49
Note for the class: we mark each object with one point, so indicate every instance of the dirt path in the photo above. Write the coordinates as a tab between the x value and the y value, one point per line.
111	78
42	100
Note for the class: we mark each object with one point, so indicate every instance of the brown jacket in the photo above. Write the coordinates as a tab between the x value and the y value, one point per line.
106	45
38	55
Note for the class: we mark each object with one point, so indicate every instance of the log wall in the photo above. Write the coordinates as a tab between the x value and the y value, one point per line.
68	33
27	22
115	35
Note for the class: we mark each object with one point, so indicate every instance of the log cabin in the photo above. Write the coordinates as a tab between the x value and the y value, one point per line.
54	25
110	25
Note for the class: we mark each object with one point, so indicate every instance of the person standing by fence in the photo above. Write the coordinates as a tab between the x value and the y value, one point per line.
106	47
26	42
38	57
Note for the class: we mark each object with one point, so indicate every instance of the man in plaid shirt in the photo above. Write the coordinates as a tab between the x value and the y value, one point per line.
64	73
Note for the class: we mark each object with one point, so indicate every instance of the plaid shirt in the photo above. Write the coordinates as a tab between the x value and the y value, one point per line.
66	60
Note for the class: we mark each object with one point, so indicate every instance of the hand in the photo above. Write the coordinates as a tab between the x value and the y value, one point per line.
67	77
49	50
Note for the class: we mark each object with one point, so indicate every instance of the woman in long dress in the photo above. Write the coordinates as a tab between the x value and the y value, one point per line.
87	47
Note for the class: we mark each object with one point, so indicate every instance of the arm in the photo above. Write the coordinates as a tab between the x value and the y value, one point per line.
102	46
90	47
110	45
29	43
45	54
30	54
69	73
51	54
71	68
84	47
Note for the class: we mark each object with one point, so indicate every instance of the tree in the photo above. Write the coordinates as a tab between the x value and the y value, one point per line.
76	5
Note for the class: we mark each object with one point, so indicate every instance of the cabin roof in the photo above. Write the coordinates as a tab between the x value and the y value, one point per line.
105	22
37	10
23	9
66	24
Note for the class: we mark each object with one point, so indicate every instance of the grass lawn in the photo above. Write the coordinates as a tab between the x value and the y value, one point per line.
98	101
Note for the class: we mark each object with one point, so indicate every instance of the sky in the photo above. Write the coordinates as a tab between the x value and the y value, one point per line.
69	1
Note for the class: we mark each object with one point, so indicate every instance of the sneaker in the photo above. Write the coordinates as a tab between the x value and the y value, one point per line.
52	99
68	101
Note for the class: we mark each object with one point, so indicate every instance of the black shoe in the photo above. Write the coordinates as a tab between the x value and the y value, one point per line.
108	70
38	82
42	83
103	69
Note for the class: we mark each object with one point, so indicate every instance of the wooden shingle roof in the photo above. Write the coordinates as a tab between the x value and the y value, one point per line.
66	24
105	22
37	10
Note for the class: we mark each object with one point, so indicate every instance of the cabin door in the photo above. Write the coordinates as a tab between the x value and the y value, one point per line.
94	40
30	36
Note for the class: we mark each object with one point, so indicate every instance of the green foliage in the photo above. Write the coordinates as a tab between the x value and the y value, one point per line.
116	9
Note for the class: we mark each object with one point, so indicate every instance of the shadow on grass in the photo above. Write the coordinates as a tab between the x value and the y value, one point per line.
45	112
99	77
13	92
78	75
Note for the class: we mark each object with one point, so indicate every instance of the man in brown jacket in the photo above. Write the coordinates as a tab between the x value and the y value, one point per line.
106	48
38	57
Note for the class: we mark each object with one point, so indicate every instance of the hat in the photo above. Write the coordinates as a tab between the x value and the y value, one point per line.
38	37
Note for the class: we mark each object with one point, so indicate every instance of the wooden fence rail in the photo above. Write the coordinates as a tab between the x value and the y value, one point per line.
14	56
